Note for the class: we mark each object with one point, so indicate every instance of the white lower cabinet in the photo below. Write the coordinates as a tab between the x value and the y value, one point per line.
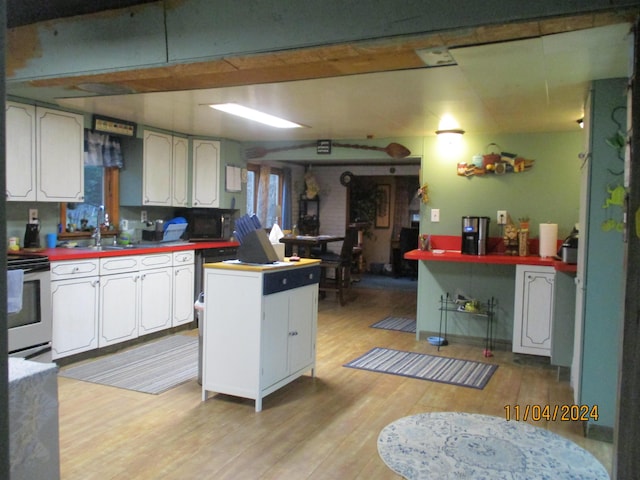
119	307
288	342
156	298
74	297
259	329
101	302
533	310
183	287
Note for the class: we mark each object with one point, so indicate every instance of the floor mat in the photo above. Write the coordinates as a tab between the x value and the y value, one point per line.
154	367
464	373
401	324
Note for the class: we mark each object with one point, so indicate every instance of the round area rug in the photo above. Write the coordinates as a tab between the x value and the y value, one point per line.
452	445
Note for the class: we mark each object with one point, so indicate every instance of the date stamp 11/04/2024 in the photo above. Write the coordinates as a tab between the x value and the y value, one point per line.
563	413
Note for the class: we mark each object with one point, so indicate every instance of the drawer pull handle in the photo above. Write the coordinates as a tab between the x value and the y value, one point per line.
284	281
293	334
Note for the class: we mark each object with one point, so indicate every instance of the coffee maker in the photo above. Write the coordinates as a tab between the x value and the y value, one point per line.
32	236
475	232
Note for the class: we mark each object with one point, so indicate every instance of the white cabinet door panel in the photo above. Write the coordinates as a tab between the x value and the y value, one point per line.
60	156
155	300
533	310
20	152
75	316
156	169
119	308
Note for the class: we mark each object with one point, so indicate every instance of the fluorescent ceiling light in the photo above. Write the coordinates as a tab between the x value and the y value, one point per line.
255	115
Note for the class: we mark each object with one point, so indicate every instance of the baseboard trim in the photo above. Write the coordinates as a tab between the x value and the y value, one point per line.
600	433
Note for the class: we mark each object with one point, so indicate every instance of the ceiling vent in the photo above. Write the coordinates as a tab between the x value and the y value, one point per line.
436	57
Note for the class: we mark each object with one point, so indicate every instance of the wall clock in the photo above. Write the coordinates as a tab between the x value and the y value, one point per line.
346	178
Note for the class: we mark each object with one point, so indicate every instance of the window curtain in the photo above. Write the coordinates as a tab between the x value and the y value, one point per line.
287	199
263	194
102	150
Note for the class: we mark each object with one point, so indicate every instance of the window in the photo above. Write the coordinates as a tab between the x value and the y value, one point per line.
100	188
274	197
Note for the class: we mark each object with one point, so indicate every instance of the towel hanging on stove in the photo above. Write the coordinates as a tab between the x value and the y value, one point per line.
15	281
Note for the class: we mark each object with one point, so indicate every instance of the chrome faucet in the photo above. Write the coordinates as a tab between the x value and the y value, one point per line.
96	234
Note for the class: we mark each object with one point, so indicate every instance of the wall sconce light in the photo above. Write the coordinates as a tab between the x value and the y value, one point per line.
452	131
450	136
580	122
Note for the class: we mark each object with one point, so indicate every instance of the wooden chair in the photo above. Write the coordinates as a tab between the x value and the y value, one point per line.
340	265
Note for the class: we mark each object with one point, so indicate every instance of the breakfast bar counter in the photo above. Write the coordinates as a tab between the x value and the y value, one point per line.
446	248
534	296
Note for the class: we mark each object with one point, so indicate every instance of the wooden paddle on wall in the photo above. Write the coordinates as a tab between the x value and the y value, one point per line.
394	150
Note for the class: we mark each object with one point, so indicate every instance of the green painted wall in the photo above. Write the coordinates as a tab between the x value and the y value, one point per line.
549	192
604	266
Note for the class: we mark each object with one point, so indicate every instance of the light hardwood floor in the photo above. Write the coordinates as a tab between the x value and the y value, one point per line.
315	428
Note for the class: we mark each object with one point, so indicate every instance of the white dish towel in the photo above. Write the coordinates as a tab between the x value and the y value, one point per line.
15	279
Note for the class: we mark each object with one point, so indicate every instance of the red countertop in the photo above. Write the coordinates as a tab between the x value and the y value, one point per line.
446	248
56	254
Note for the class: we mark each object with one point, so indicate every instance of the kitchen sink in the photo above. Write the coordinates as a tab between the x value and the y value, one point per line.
132	246
105	248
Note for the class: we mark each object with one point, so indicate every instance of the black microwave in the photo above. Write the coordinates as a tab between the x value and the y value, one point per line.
208	223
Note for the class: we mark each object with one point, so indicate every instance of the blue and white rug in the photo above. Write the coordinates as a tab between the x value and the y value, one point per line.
452	445
402	324
464	373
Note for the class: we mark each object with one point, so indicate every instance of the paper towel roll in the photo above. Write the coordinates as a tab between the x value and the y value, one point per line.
548	239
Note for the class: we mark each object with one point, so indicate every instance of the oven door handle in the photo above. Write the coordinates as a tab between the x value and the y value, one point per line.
35	270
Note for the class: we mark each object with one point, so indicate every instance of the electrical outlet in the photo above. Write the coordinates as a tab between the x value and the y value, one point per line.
502	217
143	216
435	214
33	215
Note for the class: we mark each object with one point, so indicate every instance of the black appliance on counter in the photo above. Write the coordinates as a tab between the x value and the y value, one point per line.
475	233
568	252
208	224
32	236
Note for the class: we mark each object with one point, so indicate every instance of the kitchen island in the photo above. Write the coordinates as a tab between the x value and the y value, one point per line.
259	329
535	297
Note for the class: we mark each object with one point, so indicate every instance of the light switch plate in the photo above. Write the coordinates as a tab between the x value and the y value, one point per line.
501	217
435	214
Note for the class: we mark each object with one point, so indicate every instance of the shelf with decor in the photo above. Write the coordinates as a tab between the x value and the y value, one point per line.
472	308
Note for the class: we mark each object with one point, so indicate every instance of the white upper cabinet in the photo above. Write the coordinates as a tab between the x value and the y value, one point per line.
21	151
157	165
45	154
180	180
206	174
164	167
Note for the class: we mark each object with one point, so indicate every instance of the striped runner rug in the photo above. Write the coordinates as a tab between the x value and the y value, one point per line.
464	373
153	367
401	324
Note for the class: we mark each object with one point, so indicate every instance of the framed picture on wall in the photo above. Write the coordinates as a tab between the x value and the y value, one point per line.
383	198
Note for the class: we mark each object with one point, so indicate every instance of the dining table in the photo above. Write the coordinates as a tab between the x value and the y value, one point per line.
304	244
